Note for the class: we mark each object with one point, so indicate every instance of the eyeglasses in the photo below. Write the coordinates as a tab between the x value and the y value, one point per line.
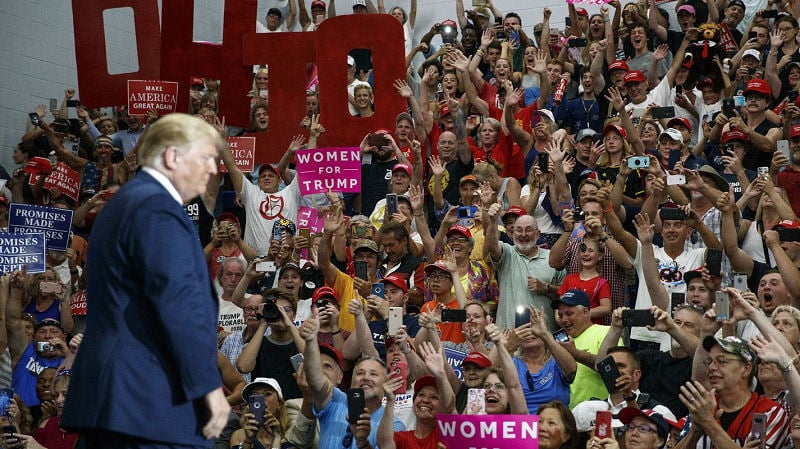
347	440
496	386
251	309
642	428
721	361
457	240
438	277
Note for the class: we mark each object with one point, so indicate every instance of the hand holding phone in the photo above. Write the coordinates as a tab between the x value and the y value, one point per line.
355	404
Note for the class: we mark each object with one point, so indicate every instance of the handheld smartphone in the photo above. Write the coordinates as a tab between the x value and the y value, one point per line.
577	43
377	140
674	157
440	92
50	287
676	180
678	298
759	428
355	404
378	289
637	162
257	406
476	401
740	282
305	233
296	359
399	369
53	104
35	120
722	306
752	35
578	215
567	21
361	269
672	213
391	204
663	112
678	90
465	212
277	233
554	32
265	266
637	318
522	316
713	261
738	100
72	112
783	147
602	424
762	171
478	3
728	107
6	394
607	368
728	149
544	162
454	315
395	320
500	32
561	336
769	14
789	234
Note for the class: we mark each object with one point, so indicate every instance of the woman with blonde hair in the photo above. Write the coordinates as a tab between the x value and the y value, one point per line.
271	433
259	90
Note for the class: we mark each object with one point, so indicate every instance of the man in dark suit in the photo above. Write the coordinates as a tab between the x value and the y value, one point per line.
146	373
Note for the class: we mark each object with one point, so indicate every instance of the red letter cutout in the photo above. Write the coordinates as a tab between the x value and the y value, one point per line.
97	87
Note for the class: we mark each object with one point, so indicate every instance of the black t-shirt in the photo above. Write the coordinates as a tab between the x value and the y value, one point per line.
754	157
663	376
380	328
375	183
273	361
201	218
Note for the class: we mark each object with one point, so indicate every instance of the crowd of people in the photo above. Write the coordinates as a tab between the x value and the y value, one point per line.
601	218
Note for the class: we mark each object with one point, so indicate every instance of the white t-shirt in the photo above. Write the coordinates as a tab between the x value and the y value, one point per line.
231	316
671	273
261	28
543	220
264	209
660	95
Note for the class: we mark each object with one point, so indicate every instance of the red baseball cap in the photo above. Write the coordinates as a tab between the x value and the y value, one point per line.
582	12
438	265
514	210
458	229
614	127
787	224
758	86
444	111
323	292
196	80
680	121
478	359
424	381
268	166
794	132
735	134
318	3
634	76
403	167
38	165
618	65
227	216
397	281
325	348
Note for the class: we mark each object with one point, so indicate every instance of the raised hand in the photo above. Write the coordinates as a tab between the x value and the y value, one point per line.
403	89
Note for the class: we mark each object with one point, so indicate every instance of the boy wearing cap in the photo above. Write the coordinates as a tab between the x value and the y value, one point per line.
318	8
728	162
729	365
441	277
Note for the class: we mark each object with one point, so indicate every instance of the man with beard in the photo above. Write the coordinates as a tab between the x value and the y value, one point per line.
330	403
235	342
376	174
524	263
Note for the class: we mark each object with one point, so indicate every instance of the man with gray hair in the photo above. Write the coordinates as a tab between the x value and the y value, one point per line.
152	302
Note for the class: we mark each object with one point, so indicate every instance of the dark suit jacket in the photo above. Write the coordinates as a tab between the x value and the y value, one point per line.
149	351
